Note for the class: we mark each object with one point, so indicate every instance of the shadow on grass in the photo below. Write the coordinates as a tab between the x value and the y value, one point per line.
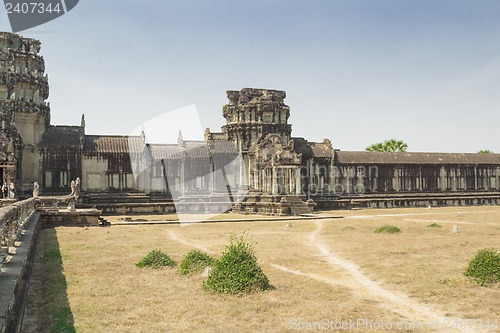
54	315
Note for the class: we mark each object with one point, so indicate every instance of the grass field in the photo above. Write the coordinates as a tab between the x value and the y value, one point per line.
324	272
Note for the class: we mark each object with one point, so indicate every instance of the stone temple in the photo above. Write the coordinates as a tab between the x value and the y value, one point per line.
276	173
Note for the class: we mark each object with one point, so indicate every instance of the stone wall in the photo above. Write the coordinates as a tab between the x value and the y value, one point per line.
18	234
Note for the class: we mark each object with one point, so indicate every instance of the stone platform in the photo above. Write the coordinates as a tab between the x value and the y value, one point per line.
53	217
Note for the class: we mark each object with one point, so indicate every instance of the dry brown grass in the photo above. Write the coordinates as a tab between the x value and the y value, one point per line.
107	293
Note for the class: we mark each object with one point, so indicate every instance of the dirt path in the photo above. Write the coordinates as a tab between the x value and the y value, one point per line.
360	285
174	236
364	287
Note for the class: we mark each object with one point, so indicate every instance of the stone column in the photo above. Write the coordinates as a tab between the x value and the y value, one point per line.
442	177
396	179
497	178
273	181
298	181
270	180
420	187
212	178
183	178
241	174
265	180
454	179
475	178
487	186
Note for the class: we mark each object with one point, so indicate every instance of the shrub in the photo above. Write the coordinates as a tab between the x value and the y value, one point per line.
389	229
237	271
195	261
485	267
434	225
156	259
348	227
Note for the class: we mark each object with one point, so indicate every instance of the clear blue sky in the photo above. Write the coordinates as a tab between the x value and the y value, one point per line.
357	72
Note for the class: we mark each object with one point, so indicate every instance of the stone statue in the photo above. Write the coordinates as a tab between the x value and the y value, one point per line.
36	188
12	191
72	188
77	188
75	193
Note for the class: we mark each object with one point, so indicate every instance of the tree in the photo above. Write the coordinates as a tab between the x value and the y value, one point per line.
376	147
391	145
486	151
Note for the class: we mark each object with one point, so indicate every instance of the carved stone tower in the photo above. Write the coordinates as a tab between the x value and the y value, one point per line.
23	91
254	113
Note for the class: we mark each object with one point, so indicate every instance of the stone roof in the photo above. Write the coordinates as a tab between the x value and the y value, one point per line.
217	136
323	149
192	149
301	146
364	157
223	147
313	149
62	136
111	144
196	149
165	151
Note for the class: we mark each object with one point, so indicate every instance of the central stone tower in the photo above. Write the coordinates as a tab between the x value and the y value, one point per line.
254	113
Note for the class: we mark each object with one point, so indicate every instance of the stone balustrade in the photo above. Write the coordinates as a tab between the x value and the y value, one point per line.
18	234
12	219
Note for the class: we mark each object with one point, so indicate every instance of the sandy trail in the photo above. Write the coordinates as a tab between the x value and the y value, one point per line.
359	284
174	236
405	306
366	288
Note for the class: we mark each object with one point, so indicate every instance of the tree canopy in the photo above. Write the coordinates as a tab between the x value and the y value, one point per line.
391	145
486	151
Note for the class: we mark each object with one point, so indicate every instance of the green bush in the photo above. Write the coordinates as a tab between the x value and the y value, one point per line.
434	225
237	271
389	229
485	267
195	261
156	259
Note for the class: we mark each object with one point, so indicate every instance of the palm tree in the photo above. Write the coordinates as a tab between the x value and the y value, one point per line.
375	147
395	145
391	145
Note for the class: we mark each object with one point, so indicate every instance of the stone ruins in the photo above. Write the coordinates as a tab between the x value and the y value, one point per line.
279	173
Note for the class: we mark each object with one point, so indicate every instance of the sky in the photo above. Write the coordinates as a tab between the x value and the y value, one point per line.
356	72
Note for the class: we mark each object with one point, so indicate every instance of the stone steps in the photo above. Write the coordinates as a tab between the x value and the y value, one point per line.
99	198
297	206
